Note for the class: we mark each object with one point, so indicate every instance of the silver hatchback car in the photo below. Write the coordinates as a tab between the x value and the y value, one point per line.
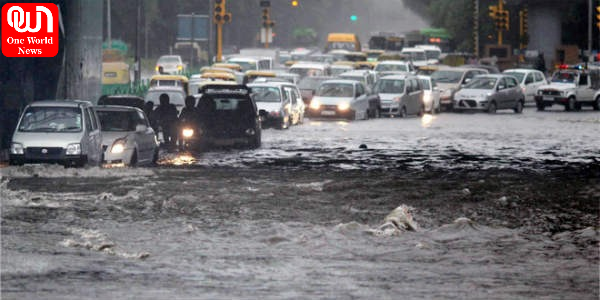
490	93
65	132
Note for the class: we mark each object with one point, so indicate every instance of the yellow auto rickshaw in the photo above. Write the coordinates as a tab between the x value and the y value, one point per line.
234	67
251	75
170	80
373	54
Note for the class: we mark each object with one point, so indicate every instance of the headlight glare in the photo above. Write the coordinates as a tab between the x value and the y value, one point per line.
343	106
187	132
118	146
73	149
17	148
315	104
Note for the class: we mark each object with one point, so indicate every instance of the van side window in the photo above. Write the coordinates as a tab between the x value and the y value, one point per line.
529	78
538	76
93	120
88	120
583	79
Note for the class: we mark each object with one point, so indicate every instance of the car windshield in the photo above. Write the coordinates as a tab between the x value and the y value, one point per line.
245	65
481	83
390	86
416	55
391	67
425	84
446	76
432	54
563	77
168	60
354	77
112	120
266	94
307	72
51	119
310	83
335	90
175	97
517	75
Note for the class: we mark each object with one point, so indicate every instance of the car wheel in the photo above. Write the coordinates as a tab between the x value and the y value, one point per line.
519	107
492	108
571	104
155	156
596	104
134	159
255	141
402	112
421	111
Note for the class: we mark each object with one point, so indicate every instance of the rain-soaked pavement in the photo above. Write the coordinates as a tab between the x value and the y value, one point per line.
504	207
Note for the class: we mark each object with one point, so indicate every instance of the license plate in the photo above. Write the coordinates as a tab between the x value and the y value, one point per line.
328	113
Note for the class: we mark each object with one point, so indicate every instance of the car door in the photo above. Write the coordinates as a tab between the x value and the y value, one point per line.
360	99
530	85
145	138
515	92
414	97
94	137
584	90
503	94
293	104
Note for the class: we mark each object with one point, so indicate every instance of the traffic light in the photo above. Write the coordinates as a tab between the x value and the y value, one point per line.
294	3
353	18
598	16
526	19
266	18
504	15
220	15
493	12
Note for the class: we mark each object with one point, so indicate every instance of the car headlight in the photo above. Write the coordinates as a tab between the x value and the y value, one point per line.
118	146
315	104
157	68
250	131
179	67
187	132
427	97
17	148
73	149
343	106
447	93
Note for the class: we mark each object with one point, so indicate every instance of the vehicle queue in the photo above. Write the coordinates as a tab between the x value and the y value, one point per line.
228	104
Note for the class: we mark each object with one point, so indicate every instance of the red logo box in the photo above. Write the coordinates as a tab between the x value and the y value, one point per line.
30	30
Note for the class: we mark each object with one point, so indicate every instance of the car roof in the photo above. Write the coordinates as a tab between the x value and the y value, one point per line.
520	70
399	76
355	73
344	81
462	69
393	62
495	75
271	84
166	88
116	108
314	65
60	103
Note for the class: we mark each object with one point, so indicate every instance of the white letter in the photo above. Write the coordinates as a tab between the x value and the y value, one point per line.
48	16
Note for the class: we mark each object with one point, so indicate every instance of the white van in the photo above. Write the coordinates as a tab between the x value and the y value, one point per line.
57	131
417	56
249	63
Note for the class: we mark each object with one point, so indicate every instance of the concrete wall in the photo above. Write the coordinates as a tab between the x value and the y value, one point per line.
82	68
545	30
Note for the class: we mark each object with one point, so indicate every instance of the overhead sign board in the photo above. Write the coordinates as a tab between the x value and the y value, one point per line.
199	32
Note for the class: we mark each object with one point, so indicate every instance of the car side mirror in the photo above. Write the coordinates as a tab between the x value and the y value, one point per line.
140	128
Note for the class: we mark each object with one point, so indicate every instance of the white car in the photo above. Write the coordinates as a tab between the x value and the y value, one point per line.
170	64
431	94
279	104
394	66
127	138
57	131
340	98
400	95
367	77
417	56
530	80
176	95
432	52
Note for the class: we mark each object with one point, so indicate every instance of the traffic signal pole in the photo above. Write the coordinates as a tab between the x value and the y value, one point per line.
219	57
500	9
220	17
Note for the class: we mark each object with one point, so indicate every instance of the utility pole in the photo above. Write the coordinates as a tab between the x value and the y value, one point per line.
108	25
192	49
138	19
220	17
590	21
476	28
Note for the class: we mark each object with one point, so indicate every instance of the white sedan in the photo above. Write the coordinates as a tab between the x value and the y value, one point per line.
529	80
127	138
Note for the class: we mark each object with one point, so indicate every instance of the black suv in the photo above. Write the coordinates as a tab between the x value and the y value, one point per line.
227	116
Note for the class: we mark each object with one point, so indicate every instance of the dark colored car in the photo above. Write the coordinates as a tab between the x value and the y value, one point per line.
227	117
123	100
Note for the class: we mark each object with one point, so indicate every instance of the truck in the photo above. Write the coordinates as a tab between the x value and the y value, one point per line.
572	87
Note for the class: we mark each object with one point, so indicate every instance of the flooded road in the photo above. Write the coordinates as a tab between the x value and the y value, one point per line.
507	207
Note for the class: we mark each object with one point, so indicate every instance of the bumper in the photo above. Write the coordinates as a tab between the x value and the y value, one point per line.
470	105
550	100
271	121
331	112
117	158
66	160
389	109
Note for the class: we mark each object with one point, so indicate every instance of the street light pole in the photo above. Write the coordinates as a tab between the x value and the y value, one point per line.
476	28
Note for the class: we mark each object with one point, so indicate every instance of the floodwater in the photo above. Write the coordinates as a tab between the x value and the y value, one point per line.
293	219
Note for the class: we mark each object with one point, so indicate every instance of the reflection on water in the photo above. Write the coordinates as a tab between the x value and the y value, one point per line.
426	120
